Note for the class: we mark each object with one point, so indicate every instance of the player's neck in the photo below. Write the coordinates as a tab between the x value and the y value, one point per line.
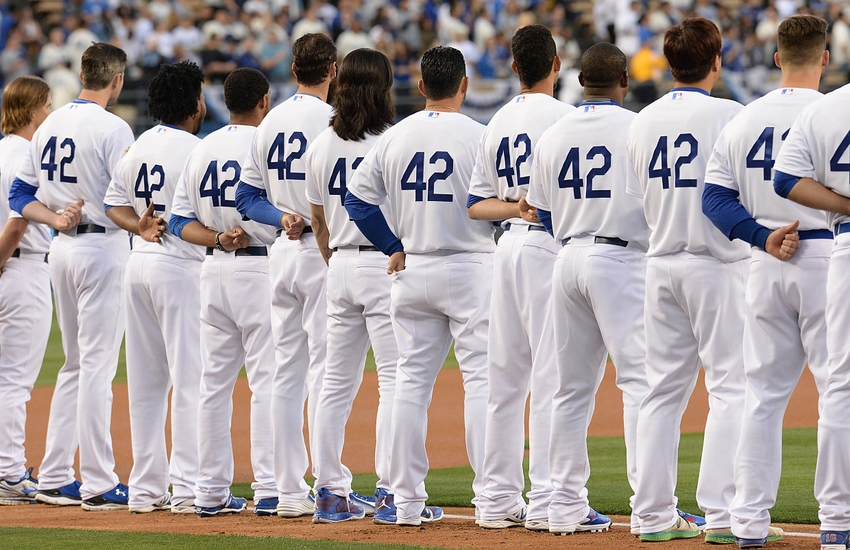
706	84
27	131
101	97
448	105
320	91
807	77
247	119
545	86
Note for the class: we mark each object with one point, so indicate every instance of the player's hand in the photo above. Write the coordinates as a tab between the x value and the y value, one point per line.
783	242
396	263
70	217
151	227
528	212
293	225
233	239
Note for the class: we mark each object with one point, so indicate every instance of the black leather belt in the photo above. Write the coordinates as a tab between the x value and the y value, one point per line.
361	248
530	227
247	251
307	229
84	228
17	254
603	240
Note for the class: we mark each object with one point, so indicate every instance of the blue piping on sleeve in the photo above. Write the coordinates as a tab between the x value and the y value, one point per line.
20	195
783	183
177	223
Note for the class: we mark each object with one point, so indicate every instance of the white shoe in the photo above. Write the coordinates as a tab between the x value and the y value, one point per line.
305	507
516	519
163	503
537	525
183	507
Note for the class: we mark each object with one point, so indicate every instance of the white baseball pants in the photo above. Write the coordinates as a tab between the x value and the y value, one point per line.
438	297
358	312
785	329
235	330
88	274
299	326
25	315
163	353
694	316
520	359
599	304
832	475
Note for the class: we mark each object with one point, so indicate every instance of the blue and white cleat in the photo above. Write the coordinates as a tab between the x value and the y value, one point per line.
699	521
265	507
834	540
232	505
304	507
516	519
367	503
164	503
385	512
22	491
429	514
331	508
593	523
114	499
67	495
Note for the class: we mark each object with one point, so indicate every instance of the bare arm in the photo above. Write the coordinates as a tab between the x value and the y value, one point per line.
10	237
38	212
321	230
494	210
196	233
148	226
811	193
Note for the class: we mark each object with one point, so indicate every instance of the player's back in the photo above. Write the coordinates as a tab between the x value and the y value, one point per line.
504	162
149	173
748	147
330	164
425	164
210	177
13	149
278	151
818	145
583	165
669	143
73	154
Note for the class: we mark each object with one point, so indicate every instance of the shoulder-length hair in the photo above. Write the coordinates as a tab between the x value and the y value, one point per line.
364	102
21	98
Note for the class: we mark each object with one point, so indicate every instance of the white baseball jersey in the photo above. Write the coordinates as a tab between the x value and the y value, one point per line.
330	164
13	148
746	150
422	167
818	146
510	139
149	173
207	187
72	156
581	172
669	143
276	159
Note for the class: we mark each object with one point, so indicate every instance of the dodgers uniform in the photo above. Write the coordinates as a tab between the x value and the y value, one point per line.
785	326
162	289
358	314
25	313
421	168
235	316
581	170
520	342
818	149
72	156
694	311
275	164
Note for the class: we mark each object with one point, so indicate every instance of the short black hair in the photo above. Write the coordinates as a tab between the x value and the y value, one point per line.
364	102
312	57
244	88
443	69
534	52
602	65
173	93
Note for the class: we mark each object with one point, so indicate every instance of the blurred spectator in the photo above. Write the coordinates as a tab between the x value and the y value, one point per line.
275	57
839	45
55	51
646	71
214	62
766	33
64	84
186	34
79	39
13	58
310	24
354	37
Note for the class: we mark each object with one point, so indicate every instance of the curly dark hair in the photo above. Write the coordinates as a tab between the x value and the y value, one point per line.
534	52
244	88
364	104
173	93
312	57
443	69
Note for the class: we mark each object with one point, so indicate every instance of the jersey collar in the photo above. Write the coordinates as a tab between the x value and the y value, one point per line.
172	126
598	102
80	101
690	89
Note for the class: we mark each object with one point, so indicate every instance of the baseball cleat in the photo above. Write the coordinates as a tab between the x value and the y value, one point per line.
22	491
186	506
305	507
682	529
114	499
699	521
593	523
367	503
725	536
516	519
67	495
163	503
331	508
539	525
265	506
834	540
231	505
384	508
429	514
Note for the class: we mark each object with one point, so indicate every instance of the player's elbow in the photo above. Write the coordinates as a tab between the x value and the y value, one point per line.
474	208
474	212
15	229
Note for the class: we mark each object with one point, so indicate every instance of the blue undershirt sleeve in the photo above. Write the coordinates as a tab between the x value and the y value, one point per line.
20	195
371	222
253	204
177	223
473	199
722	206
783	183
752	232
545	218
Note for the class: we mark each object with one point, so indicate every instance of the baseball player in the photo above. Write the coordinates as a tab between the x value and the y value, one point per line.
272	183
235	299
442	268
162	290
581	170
812	169
70	161
358	293
785	326
694	278
521	338
25	308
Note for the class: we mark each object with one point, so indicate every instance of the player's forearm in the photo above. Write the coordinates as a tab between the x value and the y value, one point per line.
11	237
194	232
124	217
38	212
811	193
493	210
320	230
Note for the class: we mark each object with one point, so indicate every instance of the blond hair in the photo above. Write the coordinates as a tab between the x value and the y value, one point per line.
21	98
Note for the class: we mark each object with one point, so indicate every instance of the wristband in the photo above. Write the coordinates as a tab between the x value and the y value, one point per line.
218	242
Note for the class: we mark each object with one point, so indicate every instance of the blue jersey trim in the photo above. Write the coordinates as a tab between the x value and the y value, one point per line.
599	102
545	218
474	199
690	89
106	207
20	195
79	101
177	223
783	183
253	204
172	127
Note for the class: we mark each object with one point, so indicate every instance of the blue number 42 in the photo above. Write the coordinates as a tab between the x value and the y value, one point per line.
414	177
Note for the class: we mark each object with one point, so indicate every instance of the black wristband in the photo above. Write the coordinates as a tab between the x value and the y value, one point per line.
218	242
